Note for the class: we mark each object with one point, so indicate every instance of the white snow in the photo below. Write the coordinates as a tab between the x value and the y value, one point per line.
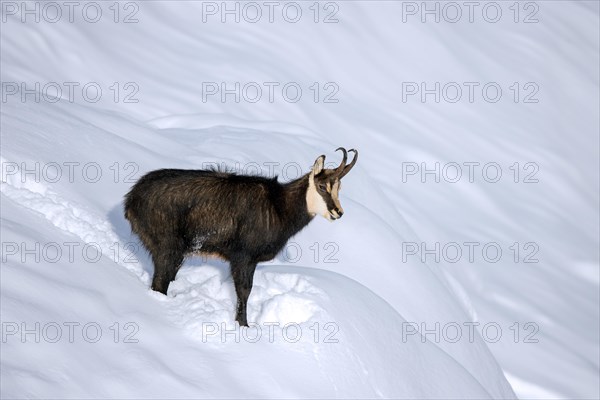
350	309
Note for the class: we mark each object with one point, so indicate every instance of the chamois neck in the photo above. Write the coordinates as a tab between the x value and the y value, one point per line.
295	201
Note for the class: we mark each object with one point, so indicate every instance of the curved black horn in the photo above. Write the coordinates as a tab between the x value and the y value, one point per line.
349	166
340	169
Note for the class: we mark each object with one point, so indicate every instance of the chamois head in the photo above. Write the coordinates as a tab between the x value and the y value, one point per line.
324	186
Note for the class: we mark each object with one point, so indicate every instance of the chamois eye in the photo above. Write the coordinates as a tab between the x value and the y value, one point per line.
323	187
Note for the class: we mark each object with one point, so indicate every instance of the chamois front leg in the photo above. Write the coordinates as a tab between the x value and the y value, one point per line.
167	261
243	276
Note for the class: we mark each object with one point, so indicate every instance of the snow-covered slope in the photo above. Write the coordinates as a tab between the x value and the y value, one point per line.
353	343
356	281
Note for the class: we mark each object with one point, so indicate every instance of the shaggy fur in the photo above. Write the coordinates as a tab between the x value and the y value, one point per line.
242	219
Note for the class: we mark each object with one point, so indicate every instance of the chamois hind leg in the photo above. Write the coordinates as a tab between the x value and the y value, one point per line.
167	262
243	277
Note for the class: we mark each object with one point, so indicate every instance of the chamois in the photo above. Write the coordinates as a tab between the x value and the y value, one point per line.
241	219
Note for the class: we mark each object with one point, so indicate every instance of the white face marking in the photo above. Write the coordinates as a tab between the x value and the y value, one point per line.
314	202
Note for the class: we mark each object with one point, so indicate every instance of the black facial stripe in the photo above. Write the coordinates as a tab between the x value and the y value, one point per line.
330	203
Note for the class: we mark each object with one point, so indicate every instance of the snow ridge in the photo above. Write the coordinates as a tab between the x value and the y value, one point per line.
67	215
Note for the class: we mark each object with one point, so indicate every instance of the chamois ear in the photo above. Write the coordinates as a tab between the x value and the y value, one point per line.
318	165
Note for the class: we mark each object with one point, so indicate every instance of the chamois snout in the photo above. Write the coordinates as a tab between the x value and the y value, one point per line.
336	213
